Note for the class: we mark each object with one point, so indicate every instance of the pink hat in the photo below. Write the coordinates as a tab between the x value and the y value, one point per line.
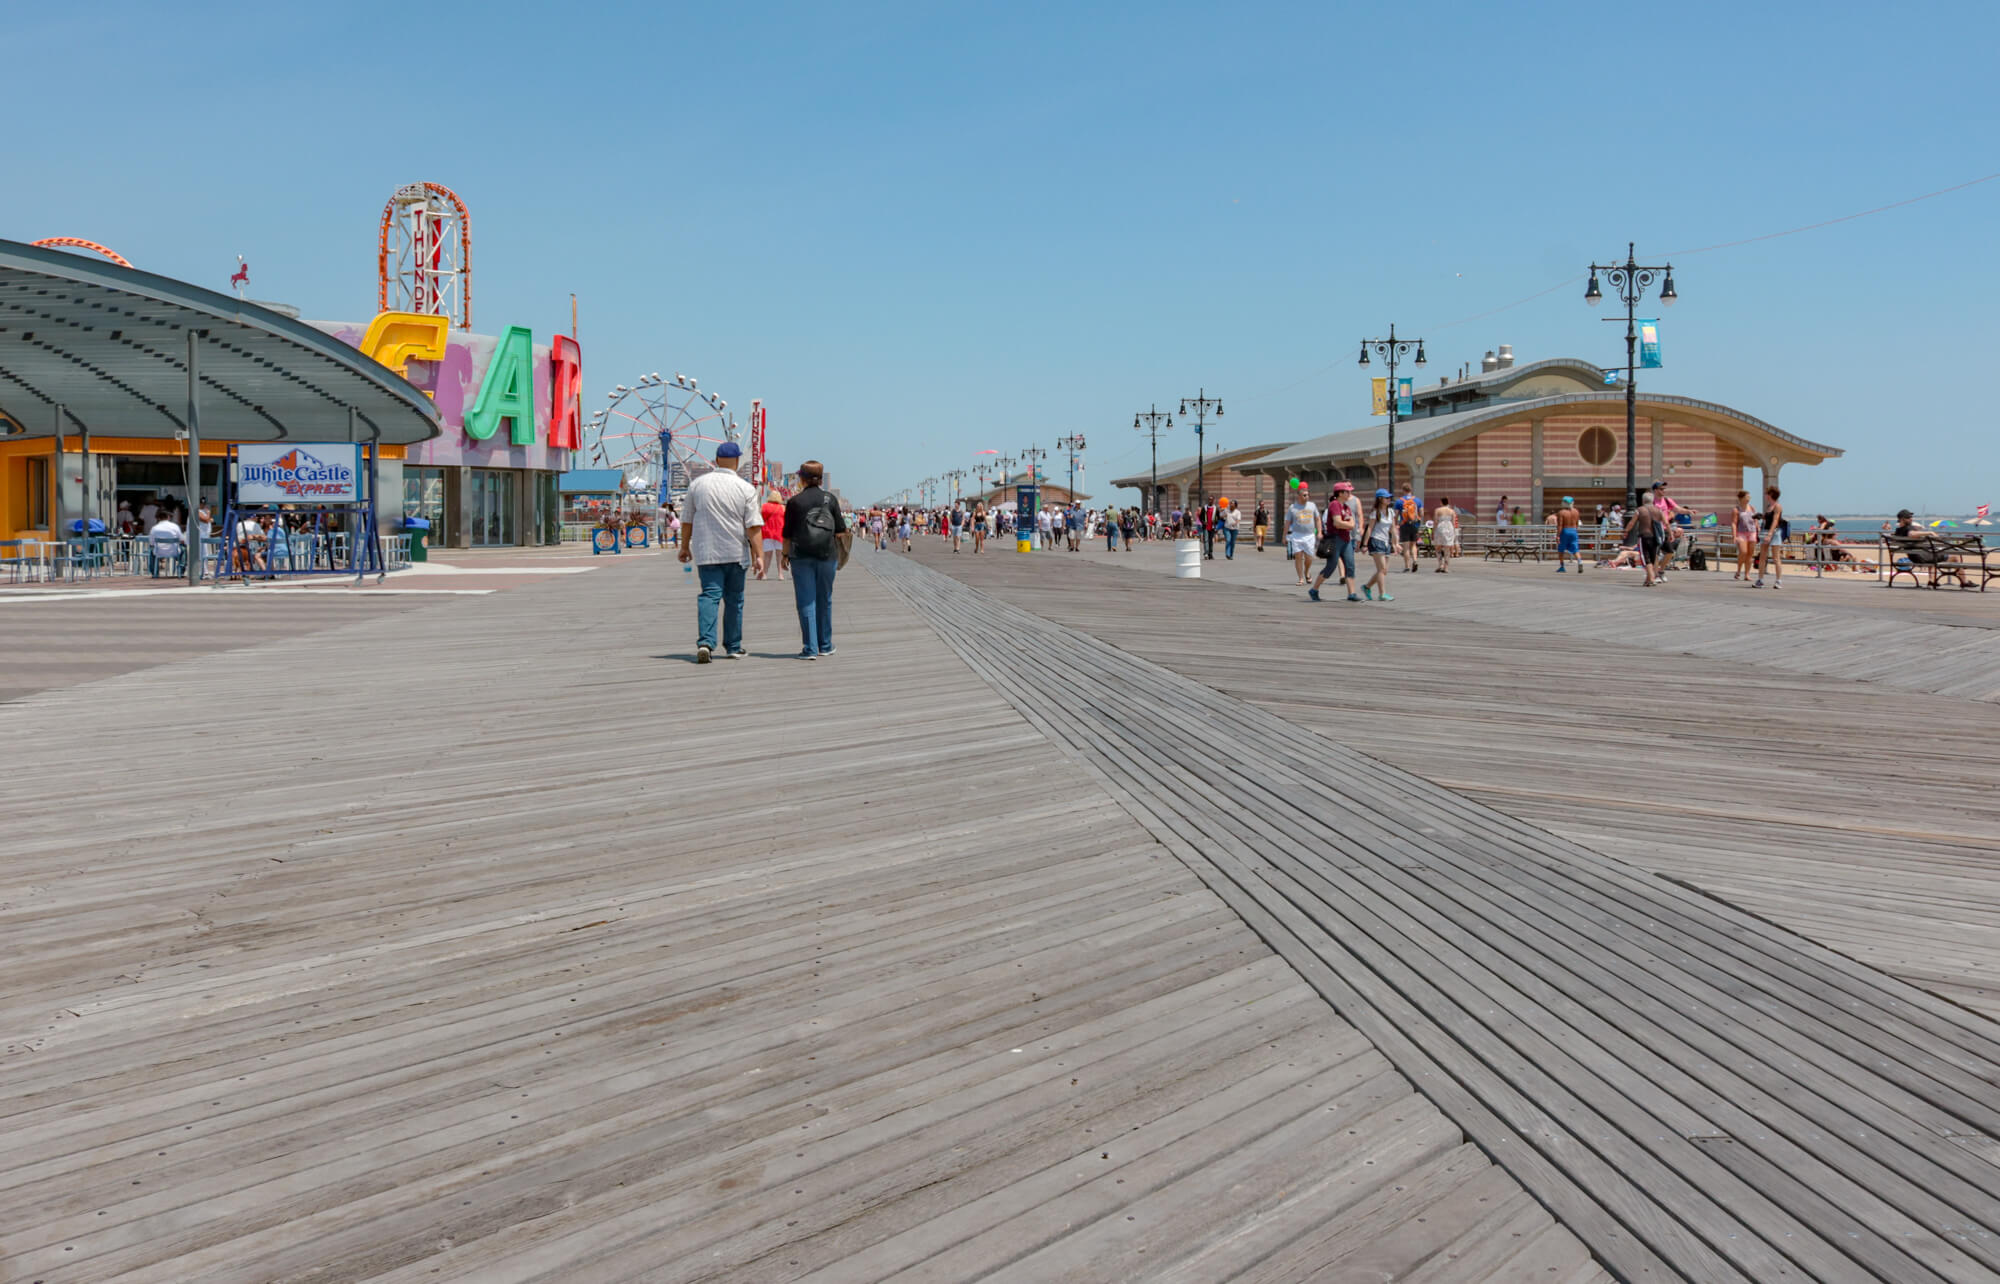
1343	485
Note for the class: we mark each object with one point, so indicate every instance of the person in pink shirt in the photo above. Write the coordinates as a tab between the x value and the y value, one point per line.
773	509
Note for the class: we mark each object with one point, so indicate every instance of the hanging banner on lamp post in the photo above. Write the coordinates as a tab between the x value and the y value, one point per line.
1405	389
1379	390
1649	344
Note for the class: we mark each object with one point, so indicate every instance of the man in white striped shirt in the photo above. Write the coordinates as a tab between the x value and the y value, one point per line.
721	536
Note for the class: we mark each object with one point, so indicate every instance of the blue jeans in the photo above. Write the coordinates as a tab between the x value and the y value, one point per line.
812	589
1229	541
721	586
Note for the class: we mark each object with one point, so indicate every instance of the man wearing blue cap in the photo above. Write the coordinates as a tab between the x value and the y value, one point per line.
723	524
1569	536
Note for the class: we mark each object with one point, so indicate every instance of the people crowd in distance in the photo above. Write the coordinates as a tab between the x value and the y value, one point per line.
728	531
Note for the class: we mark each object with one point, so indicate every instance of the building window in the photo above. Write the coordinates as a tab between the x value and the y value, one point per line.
493	510
423	496
1597	446
38	493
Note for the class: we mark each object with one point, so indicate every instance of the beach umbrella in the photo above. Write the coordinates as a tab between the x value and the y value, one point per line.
1977	521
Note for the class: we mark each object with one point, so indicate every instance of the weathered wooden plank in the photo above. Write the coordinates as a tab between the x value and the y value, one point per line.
1855	1061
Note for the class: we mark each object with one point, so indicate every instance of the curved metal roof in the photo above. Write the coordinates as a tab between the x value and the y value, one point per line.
109	344
1214	458
1363	443
1489	382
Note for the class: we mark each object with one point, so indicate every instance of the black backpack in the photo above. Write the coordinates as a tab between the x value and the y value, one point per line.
814	538
1698	560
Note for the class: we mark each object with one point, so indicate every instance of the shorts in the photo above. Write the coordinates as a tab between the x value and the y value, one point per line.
1300	544
1649	548
774	545
1407	532
1342	556
1379	545
1569	541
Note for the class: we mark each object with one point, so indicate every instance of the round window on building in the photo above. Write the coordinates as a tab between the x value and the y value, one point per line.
1597	445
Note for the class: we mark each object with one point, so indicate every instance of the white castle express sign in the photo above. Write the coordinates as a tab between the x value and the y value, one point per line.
311	473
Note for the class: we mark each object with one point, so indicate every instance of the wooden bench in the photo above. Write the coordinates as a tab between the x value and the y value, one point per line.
1516	547
1964	558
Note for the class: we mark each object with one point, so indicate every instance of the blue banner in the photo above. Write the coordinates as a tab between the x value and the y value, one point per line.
1026	500
1649	344
1405	387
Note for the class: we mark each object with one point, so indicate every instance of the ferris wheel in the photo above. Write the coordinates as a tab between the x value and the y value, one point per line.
661	433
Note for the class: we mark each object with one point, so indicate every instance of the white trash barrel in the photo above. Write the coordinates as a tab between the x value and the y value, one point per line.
1187	562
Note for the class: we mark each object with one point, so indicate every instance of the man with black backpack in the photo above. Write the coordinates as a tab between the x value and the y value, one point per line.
817	543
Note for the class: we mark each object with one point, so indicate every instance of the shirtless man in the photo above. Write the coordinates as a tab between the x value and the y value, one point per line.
1569	536
1646	528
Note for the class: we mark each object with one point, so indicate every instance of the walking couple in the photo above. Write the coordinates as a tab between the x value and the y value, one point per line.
725	526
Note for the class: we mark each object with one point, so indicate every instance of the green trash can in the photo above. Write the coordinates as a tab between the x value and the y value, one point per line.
418	528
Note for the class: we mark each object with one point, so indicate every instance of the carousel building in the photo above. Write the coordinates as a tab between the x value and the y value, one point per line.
1535	433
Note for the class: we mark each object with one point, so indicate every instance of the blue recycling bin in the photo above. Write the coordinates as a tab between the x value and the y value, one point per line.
418	528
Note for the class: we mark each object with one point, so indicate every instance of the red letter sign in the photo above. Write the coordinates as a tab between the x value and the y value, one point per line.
566	385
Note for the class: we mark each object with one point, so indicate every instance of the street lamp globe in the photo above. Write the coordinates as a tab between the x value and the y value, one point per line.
1364	352
1667	292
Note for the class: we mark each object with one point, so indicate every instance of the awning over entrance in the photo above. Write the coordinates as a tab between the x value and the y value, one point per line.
109	345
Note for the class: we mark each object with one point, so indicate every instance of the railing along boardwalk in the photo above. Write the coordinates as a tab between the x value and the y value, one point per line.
495	941
1693	1091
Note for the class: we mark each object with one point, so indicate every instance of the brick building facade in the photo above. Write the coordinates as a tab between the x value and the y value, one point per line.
1530	435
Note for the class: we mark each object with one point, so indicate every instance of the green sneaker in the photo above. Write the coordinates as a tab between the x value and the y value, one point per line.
1387	596
1368	592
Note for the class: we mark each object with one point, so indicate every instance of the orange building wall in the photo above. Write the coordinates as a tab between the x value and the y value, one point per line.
13	471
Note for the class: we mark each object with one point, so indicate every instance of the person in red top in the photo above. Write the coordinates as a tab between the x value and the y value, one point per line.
773	509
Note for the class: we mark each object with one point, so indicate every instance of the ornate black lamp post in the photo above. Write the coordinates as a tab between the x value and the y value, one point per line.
1631	280
1154	422
1201	403
1393	350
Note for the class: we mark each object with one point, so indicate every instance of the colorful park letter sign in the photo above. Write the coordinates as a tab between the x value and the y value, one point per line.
1649	345
508	391
307	473
566	378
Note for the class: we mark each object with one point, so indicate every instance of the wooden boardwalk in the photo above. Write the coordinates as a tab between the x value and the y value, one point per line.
494	941
1860	814
1693	1090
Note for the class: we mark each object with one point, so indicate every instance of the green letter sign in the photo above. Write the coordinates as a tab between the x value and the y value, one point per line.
508	391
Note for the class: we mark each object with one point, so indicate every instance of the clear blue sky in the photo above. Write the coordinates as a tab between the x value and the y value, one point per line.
921	230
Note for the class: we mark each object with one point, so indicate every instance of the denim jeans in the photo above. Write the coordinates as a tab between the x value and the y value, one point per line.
1229	541
721	586
812	589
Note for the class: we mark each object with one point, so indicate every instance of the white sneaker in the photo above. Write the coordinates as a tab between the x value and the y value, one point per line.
701	655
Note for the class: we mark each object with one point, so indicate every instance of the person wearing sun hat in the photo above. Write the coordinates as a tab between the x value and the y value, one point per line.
724	526
1342	517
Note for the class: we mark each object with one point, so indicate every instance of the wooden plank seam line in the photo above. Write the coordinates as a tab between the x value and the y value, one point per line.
1567	1013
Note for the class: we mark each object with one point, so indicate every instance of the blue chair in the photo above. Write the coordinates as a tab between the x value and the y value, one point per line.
88	558
16	561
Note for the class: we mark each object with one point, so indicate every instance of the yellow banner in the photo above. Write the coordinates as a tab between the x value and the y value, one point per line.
1381	388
